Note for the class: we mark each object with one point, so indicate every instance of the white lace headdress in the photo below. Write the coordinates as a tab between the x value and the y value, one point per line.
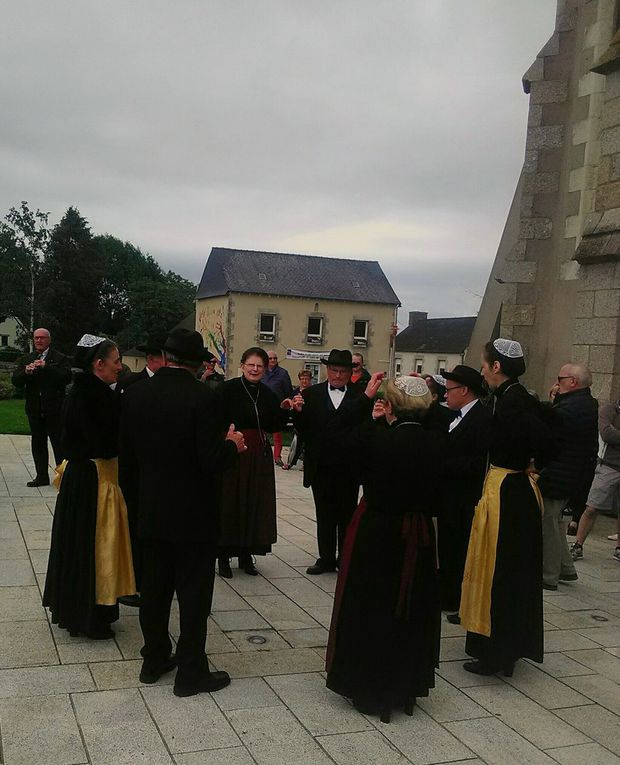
411	386
511	349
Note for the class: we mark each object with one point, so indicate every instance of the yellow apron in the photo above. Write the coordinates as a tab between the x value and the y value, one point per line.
475	610
114	574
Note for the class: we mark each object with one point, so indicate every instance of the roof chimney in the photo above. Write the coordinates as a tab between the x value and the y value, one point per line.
417	316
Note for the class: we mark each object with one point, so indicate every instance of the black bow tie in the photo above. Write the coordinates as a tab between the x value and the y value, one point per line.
342	388
459	413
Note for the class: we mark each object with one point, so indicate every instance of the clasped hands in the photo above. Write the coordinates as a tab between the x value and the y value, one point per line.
236	436
34	365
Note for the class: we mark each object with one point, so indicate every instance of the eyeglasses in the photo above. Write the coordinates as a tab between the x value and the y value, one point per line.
455	387
566	377
255	366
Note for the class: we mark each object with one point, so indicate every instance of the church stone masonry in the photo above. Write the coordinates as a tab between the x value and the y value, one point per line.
555	283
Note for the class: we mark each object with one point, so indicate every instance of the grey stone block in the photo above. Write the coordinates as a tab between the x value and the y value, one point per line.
311	637
319	710
605	636
225	598
240	641
41	730
15	573
304	592
258	663
585	305
526	717
535	228
445	703
607	303
239	620
595	331
496	743
9	529
560	665
189	724
610	141
548	137
280	612
598	661
293	555
21	604
544	689
43	681
246	693
548	92
26	644
122	674
423	740
593	754
117	728
238	755
596	722
369	748
88	651
602	690
274	737
520	273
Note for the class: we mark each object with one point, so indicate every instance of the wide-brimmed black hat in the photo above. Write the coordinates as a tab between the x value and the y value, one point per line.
466	376
187	344
154	344
338	358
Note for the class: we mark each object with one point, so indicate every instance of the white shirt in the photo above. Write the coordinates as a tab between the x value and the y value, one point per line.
43	354
149	373
457	420
336	395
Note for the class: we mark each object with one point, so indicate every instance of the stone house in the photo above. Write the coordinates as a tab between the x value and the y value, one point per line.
432	345
8	332
299	305
555	283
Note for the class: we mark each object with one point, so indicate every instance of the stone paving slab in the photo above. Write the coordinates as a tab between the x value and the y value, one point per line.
66	701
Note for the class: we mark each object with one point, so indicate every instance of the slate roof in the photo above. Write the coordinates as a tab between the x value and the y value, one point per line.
436	335
279	273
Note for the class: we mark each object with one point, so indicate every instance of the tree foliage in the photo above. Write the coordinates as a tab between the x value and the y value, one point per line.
73	282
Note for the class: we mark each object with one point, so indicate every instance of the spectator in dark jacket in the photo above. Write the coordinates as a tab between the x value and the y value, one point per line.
278	379
575	417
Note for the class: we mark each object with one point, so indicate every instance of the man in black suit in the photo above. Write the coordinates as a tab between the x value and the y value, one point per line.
324	414
174	450
153	350
464	469
45	373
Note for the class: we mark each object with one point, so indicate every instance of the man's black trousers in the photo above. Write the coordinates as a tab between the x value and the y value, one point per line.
335	489
189	569
41	427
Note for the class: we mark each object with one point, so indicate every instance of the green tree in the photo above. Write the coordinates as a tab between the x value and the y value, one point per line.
24	239
72	278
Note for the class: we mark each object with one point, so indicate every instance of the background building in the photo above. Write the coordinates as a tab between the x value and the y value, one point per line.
298	303
432	345
8	333
555	283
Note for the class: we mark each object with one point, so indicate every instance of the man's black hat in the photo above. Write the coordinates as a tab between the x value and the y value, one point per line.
187	345
154	344
467	376
338	358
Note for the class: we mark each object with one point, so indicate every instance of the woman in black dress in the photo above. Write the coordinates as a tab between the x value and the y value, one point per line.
248	515
384	636
90	563
501	599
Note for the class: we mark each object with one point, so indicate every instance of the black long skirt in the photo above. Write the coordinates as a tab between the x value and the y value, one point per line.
385	629
248	515
516	594
70	582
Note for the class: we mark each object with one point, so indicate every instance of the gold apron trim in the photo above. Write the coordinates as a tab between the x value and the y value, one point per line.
475	610
114	575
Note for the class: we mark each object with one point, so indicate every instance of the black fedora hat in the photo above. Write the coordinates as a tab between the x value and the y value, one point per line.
154	343
187	345
466	376
338	358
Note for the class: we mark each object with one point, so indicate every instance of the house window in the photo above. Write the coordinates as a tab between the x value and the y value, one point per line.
419	365
4	340
314	335
399	364
441	366
267	328
314	369
360	333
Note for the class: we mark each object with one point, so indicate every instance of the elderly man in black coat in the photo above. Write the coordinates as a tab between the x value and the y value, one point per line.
44	373
575	427
173	449
463	470
325	414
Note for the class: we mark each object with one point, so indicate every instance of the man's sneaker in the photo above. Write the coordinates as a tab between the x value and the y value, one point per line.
616	554
576	551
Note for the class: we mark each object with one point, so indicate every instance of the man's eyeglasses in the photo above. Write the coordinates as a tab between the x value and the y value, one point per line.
455	387
566	377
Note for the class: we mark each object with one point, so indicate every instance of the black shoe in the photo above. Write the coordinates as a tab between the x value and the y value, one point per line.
223	568
103	634
130	600
546	586
320	568
38	482
212	682
247	564
150	675
568	577
479	668
453	618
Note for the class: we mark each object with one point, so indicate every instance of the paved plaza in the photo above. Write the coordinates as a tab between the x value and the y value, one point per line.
65	701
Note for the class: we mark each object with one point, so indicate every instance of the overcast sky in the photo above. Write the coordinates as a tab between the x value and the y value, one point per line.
389	130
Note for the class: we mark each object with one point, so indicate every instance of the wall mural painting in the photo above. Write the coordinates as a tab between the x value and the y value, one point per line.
211	325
